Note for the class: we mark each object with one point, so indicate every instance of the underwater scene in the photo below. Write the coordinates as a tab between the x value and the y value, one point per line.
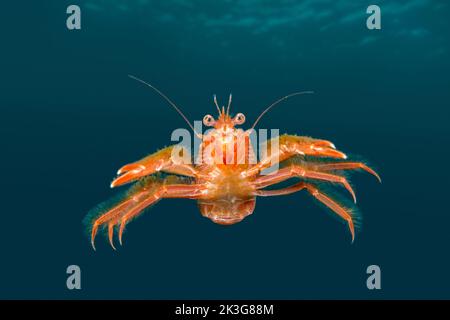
89	86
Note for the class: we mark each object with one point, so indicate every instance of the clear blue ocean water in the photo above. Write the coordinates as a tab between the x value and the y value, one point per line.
70	117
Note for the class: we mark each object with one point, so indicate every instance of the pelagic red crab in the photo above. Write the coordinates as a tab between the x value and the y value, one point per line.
226	182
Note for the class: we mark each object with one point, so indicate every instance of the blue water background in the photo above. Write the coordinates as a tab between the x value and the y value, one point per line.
70	117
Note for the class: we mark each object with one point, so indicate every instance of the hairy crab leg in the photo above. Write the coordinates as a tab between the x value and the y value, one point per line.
289	146
138	202
111	233
280	192
346	166
159	161
298	171
326	200
110	216
165	191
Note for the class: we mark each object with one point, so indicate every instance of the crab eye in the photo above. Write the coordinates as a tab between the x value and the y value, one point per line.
239	118
208	120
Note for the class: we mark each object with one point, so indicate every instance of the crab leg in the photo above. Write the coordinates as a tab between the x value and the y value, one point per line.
109	216
111	233
326	200
289	146
346	166
165	191
131	207
281	192
298	171
159	161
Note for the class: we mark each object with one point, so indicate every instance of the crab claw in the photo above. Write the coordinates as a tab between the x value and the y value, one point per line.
319	150
128	173
324	143
130	167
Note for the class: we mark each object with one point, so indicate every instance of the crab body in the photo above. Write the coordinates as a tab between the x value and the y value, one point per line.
229	197
226	179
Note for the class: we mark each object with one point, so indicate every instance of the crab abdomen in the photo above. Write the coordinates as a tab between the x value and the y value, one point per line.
227	211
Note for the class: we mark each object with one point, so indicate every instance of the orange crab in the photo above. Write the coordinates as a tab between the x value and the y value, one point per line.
226	190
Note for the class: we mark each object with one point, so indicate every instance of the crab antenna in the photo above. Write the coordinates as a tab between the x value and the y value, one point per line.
168	100
277	102
229	103
217	105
